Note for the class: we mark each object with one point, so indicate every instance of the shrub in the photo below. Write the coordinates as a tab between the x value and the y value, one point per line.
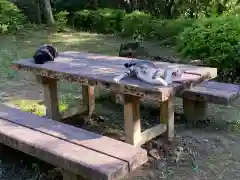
100	21
137	25
216	42
168	30
61	20
11	18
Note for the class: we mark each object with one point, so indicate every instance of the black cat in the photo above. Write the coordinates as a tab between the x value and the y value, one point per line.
45	53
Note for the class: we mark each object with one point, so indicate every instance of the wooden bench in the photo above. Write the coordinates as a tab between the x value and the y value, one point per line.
196	99
79	153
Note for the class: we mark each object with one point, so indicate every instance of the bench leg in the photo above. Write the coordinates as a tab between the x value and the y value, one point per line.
51	98
194	110
132	123
71	176
167	116
88	98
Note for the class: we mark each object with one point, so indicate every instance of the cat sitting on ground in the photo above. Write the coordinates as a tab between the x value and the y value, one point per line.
133	50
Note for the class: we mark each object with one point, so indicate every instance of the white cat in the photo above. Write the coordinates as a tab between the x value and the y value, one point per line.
148	72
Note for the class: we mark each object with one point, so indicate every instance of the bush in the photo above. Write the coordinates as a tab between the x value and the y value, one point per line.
216	42
168	30
137	25
11	18
100	21
61	20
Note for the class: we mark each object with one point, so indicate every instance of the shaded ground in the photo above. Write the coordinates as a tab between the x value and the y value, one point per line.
209	152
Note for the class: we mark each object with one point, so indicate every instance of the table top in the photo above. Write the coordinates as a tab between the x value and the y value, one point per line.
99	70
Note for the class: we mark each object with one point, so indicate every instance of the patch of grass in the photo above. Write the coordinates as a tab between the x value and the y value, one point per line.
36	107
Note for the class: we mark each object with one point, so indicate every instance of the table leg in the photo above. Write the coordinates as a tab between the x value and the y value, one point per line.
167	116
51	98
132	123
88	98
194	110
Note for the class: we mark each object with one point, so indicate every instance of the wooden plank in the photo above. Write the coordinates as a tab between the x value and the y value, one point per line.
72	111
221	86
194	110
134	156
213	92
88	98
153	132
132	122
51	98
167	116
72	157
99	70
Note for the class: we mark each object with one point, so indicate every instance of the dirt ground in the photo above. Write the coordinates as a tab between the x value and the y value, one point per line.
207	152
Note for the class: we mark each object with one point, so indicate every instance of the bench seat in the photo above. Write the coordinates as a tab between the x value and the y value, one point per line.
76	151
196	99
213	92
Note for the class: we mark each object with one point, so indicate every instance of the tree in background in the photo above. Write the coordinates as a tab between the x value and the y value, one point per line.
48	12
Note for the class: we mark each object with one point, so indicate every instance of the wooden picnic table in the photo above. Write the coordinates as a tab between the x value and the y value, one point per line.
95	70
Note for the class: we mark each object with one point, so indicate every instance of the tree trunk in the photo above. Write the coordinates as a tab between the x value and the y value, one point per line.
39	15
169	6
48	12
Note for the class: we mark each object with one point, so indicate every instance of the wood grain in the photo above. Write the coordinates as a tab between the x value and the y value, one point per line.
132	122
88	98
51	98
167	116
213	92
117	149
194	110
99	70
72	157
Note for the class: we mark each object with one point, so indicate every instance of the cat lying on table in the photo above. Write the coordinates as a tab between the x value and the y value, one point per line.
148	72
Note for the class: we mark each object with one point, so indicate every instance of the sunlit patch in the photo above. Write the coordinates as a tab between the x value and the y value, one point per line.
104	70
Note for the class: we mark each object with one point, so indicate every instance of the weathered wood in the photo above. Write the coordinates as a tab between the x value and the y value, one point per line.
167	116
81	137
194	110
72	157
99	70
51	98
132	122
213	92
80	109
88	98
153	132
117	98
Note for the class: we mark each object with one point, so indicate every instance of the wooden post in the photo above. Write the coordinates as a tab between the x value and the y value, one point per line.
167	116
132	123
51	98
194	110
88	98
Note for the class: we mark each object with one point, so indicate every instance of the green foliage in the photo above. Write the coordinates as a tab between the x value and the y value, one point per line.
168	30
11	18
216	42
61	20
100	21
137	24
